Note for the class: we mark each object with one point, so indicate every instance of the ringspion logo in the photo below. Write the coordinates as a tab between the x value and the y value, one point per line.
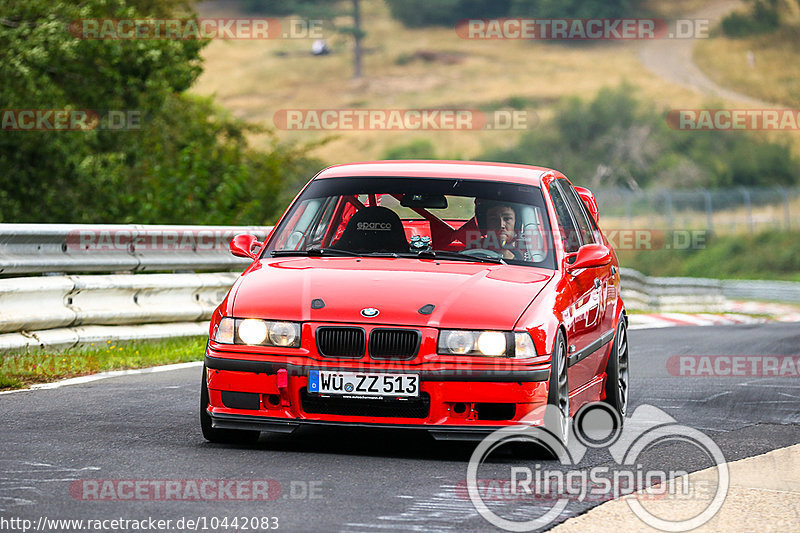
551	486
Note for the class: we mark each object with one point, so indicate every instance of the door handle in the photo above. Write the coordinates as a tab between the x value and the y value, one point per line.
596	283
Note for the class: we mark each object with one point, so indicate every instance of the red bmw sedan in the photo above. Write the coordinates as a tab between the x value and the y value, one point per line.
455	297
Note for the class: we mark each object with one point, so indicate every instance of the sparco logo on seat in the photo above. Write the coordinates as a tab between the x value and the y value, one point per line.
374	226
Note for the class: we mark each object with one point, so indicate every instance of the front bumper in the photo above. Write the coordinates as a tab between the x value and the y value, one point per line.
454	403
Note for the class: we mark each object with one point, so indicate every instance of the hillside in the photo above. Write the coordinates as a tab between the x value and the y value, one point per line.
421	68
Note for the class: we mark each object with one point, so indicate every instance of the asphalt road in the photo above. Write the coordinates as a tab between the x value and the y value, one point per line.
145	428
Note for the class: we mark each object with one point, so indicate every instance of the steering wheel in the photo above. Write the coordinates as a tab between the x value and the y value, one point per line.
482	252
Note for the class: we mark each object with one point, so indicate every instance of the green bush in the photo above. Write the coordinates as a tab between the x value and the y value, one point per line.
268	7
421	13
767	255
614	140
417	149
763	17
575	8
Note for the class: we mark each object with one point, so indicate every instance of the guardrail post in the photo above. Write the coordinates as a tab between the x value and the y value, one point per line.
709	212
749	205
787	217
670	214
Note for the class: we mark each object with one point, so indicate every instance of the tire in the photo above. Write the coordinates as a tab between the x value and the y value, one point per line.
223	436
617	376
557	420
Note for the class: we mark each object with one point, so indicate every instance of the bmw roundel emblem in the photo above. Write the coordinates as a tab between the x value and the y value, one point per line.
369	312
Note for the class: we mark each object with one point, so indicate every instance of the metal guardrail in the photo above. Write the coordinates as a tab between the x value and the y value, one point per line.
65	310
773	291
700	294
66	248
68	310
37	303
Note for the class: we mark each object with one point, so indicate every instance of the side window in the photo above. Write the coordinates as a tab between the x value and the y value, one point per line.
569	234
324	220
579	211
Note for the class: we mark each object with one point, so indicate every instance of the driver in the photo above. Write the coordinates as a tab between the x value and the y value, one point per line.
498	225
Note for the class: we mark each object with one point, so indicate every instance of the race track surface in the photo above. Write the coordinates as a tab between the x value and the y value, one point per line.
145	428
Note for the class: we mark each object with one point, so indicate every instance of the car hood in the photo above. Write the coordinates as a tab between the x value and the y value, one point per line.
465	295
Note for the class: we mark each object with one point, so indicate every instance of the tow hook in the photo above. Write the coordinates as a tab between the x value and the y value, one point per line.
283	387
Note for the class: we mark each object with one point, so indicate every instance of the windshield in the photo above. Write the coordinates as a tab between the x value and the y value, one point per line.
449	219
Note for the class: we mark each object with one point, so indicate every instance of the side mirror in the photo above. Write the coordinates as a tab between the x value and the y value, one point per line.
243	245
589	256
591	204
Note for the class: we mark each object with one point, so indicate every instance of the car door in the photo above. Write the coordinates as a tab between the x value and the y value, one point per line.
592	309
583	288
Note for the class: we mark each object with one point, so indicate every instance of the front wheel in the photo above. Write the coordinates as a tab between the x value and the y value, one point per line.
224	436
557	413
617	379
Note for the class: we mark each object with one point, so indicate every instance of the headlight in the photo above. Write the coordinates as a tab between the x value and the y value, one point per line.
257	332
517	345
492	343
252	331
457	342
284	334
479	343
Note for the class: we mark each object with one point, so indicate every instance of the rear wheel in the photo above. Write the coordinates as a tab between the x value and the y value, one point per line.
211	434
617	378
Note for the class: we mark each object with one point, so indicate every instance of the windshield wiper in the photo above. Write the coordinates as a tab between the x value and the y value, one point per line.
439	254
315	252
425	254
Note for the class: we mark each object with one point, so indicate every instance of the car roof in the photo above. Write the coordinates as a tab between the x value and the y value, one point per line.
505	172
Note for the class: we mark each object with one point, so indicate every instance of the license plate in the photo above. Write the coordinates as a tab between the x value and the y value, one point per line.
363	384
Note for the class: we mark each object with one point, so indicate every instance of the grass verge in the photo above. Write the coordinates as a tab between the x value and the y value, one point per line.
21	368
772	255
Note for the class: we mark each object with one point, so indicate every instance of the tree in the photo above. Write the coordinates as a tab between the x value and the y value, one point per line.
763	16
421	13
187	162
614	140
